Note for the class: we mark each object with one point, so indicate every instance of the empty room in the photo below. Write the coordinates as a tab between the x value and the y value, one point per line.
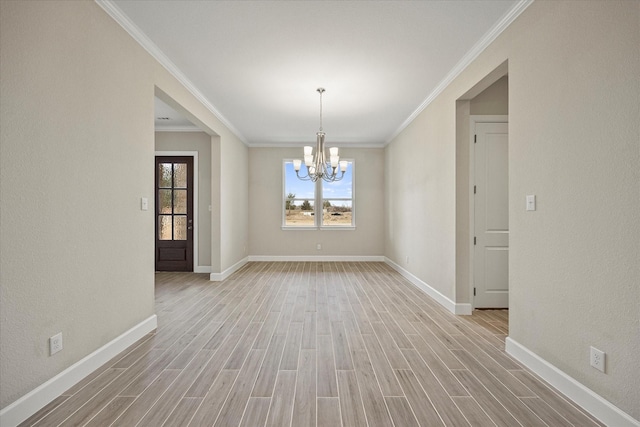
320	213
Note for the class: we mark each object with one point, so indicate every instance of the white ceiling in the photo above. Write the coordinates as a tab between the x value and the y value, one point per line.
257	64
168	119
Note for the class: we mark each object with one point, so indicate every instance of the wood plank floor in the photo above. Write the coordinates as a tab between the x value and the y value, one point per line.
312	344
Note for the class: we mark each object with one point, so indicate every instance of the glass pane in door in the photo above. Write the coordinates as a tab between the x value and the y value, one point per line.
180	175
180	227
164	201
179	201
164	227
164	175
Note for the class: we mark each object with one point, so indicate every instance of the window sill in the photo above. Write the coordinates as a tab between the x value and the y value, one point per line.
338	227
290	227
325	228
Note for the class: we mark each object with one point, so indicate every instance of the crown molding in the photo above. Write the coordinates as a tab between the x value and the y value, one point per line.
139	36
466	60
116	13
301	144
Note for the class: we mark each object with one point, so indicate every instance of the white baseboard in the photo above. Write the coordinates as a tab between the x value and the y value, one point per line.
218	277
463	309
202	269
39	397
587	399
455	308
316	258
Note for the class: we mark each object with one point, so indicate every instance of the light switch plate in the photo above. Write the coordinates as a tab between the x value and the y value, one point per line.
531	202
144	204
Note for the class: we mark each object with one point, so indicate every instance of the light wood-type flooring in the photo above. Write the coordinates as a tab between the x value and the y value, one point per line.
312	344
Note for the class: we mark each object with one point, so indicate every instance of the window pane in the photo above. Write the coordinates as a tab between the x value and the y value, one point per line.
164	227
179	201
296	192
340	189
164	175
337	203
164	201
293	185
180	227
300	213
180	175
337	212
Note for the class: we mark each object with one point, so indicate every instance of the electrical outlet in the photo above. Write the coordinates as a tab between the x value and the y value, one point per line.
598	359
55	344
319	246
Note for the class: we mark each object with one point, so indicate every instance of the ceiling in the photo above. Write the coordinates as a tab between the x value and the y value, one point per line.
257	64
168	119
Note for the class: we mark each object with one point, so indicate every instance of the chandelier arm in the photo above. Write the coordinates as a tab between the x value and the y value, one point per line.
305	177
333	176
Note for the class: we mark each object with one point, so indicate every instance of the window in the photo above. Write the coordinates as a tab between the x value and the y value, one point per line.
321	204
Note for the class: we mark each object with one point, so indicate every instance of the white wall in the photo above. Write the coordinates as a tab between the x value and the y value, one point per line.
77	141
574	142
493	101
420	220
201	143
265	216
234	204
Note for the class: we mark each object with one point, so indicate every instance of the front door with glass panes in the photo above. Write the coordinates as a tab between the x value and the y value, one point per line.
174	213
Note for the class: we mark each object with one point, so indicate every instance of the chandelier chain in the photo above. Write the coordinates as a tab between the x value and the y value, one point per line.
321	91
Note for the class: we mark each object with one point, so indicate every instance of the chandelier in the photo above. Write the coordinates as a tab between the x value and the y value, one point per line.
317	166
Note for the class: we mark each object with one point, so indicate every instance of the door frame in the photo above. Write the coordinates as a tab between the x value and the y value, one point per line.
473	120
196	229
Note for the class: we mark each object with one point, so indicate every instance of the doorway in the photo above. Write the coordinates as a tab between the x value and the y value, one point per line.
490	212
174	226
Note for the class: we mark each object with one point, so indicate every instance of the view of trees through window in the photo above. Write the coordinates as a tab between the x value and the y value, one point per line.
333	199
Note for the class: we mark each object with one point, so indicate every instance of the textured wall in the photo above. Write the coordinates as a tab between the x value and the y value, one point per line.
200	142
420	203
492	101
265	218
234	204
575	143
77	144
77	251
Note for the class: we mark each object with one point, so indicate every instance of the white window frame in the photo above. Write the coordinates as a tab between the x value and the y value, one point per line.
318	203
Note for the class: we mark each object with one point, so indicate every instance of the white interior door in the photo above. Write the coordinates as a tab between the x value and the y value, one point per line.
491	216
